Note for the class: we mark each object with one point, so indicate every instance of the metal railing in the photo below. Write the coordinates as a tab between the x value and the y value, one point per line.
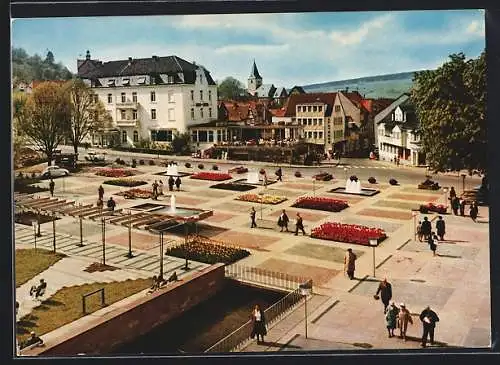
239	337
265	277
84	297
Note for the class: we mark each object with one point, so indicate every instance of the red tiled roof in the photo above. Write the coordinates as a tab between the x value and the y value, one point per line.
294	99
278	112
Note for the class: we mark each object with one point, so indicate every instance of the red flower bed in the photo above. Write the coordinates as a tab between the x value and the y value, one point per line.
431	207
212	176
114	172
328	204
349	233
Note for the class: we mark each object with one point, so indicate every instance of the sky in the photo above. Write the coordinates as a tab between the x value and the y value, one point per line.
288	48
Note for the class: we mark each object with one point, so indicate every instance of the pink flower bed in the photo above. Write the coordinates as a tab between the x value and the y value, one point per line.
349	233
212	176
114	172
328	204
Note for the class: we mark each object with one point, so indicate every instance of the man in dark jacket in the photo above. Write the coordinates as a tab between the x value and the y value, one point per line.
429	319
385	290
426	228
52	185
279	173
440	228
111	204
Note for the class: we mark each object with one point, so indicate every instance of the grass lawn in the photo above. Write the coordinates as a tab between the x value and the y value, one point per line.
30	263
65	305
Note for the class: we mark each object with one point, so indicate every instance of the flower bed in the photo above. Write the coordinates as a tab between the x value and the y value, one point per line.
431	207
349	233
233	187
238	170
328	204
323	176
428	184
264	199
136	193
114	172
205	250
212	176
125	182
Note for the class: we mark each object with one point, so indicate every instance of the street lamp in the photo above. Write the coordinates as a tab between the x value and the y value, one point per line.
305	290
160	277
261	194
129	254
414	215
35	225
373	243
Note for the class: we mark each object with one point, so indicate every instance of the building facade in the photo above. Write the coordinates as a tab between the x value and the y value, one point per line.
150	99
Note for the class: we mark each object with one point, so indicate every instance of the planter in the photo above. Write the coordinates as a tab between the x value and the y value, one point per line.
264	199
324	176
353	178
141	162
215	167
238	170
298	174
326	204
349	233
200	166
151	163
393	182
125	182
114	172
429	185
262	171
210	252
212	176
372	180
431	207
188	165
136	193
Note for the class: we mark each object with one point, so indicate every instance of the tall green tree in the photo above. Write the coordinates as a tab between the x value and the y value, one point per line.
44	118
230	88
180	143
451	106
19	101
87	113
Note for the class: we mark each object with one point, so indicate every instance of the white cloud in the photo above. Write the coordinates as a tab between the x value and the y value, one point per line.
476	28
252	48
359	35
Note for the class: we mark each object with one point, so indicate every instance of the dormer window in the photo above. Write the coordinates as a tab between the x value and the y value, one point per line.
170	79
126	82
111	82
141	80
201	78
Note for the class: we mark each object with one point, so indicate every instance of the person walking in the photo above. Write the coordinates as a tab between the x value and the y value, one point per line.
455	205
426	228
100	203
432	243
160	187
453	194
252	218
178	183
111	204
404	317
429	319
473	211
420	235
258	324
350	263
299	225
385	291
155	190
279	173
391	318
283	221
100	191
440	228
171	183
52	185
462	207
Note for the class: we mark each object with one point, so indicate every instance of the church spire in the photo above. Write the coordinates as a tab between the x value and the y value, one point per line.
255	72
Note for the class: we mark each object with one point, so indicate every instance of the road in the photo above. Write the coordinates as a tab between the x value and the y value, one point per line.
362	168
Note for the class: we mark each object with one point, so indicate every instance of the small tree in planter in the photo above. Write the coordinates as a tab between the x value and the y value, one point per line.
141	162
372	180
298	174
353	178
200	166
215	167
393	181
151	163
188	165
262	171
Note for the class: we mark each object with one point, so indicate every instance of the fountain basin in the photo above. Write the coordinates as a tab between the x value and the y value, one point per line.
247	182
362	192
180	212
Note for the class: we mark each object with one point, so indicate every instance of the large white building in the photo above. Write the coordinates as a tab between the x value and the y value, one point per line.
150	98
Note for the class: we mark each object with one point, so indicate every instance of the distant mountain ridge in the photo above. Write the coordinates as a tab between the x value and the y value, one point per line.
380	86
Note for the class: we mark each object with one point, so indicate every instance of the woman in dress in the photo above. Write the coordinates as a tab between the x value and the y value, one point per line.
259	324
391	319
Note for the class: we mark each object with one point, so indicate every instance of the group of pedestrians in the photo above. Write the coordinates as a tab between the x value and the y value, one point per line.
400	317
110	204
425	233
177	182
459	204
283	221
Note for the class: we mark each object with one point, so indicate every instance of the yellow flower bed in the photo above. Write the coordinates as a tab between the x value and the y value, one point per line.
264	199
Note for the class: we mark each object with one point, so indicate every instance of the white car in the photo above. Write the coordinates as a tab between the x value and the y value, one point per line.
54	171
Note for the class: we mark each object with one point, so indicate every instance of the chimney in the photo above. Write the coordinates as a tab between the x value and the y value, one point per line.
87	56
155	57
130	59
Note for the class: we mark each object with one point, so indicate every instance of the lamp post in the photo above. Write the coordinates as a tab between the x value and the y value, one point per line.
261	194
35	225
81	230
186	230
445	191
160	276
103	231
305	290
54	231
463	183
129	254
373	244
38	233
414	215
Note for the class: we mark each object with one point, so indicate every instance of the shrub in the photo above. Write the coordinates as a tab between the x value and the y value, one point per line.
188	165
141	162
125	182
393	181
215	167
151	162
200	166
262	171
372	180
353	178
298	174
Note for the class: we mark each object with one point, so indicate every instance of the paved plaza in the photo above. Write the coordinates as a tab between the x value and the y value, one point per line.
343	313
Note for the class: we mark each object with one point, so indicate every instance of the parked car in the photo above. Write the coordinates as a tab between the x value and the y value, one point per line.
95	157
54	171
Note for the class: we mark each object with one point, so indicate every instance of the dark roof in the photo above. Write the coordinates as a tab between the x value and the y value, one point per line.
411	122
255	72
170	65
294	99
297	89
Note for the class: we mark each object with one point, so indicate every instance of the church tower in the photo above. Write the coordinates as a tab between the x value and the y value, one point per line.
254	80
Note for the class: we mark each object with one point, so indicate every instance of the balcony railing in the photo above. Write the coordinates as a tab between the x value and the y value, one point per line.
127	104
126	122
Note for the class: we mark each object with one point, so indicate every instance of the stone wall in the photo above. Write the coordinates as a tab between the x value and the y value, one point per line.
138	317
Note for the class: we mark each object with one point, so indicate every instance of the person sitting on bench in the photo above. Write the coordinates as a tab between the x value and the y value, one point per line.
173	277
33	340
38	291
